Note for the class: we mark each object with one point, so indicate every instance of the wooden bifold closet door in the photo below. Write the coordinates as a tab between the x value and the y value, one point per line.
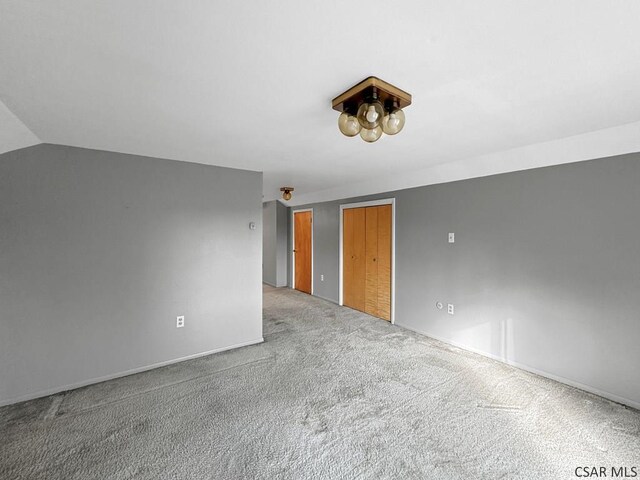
366	260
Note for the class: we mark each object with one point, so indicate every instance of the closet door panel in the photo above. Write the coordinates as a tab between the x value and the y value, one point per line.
347	258
354	258
384	262
371	247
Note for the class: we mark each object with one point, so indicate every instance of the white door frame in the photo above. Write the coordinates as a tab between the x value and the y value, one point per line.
293	245
373	203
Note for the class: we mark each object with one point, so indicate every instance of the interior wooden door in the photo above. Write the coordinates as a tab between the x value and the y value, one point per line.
302	250
366	260
353	258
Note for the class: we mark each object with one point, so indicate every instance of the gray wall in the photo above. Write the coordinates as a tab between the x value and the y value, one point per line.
274	244
99	252
282	232
544	274
269	243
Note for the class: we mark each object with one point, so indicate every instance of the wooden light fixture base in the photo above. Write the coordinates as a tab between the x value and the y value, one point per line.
286	193
359	93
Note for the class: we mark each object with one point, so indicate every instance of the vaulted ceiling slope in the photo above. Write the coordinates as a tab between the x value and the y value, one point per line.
497	85
13	133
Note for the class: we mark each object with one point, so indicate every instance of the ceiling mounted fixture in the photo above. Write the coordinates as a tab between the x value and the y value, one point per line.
286	192
371	108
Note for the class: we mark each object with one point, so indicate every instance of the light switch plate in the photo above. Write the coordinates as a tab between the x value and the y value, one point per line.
452	237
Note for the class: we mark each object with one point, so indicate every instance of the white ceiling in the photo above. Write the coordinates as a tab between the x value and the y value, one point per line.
248	84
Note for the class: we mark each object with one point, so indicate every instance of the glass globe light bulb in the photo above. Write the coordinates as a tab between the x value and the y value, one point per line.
348	124
370	114
371	135
286	195
393	122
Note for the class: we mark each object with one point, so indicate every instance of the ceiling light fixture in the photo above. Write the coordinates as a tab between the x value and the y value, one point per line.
286	192
371	108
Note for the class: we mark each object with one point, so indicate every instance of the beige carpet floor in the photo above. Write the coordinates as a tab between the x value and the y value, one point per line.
331	394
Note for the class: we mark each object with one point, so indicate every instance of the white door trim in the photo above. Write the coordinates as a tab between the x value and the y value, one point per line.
373	203
293	245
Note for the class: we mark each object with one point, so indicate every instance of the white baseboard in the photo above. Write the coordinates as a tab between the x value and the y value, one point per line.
327	299
274	285
84	383
587	388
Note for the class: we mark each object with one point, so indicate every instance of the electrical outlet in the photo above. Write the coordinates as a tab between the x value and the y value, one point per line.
452	237
450	308
322	278
180	321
